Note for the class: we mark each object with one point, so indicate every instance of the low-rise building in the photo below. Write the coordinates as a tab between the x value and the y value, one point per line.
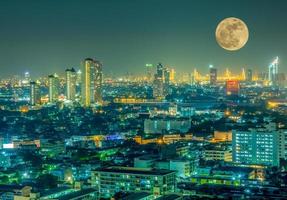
114	179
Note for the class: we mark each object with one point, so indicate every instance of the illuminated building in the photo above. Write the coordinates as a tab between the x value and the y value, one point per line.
232	87
21	143
222	136
212	75
35	96
91	82
183	168
71	78
111	180
217	153
225	175
166	139
256	146
273	103
273	72
282	143
249	77
172	75
158	84
53	88
27	79
161	125
199	78
149	68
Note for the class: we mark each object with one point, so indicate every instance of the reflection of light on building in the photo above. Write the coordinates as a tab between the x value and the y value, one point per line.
273	72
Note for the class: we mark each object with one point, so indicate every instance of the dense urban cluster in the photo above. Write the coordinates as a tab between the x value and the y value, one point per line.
162	135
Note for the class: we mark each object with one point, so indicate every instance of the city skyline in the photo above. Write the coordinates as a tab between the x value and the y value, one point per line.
50	37
143	99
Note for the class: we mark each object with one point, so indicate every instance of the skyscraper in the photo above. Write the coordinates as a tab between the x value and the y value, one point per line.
71	78
91	82
172	75
273	72
249	75
212	75
54	85
158	84
35	96
149	68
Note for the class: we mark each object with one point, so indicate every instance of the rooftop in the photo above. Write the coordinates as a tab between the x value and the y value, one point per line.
131	170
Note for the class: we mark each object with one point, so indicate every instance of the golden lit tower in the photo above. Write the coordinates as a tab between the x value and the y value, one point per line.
71	78
91	82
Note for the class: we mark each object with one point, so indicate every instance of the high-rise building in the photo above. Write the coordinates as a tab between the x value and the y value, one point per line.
273	72
249	75
35	96
232	87
158	84
91	82
54	85
172	75
212	75
71	78
256	146
149	68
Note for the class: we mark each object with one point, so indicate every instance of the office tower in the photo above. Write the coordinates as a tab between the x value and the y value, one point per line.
232	87
249	75
273	72
158	84
256	146
91	82
149	68
35	96
212	75
71	78
111	180
54	85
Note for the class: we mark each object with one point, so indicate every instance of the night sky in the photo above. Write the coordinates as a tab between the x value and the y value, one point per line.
49	36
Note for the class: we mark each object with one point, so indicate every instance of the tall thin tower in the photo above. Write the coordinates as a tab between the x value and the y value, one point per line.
53	88
273	72
71	78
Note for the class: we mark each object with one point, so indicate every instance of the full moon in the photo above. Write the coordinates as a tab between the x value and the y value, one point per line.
231	34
